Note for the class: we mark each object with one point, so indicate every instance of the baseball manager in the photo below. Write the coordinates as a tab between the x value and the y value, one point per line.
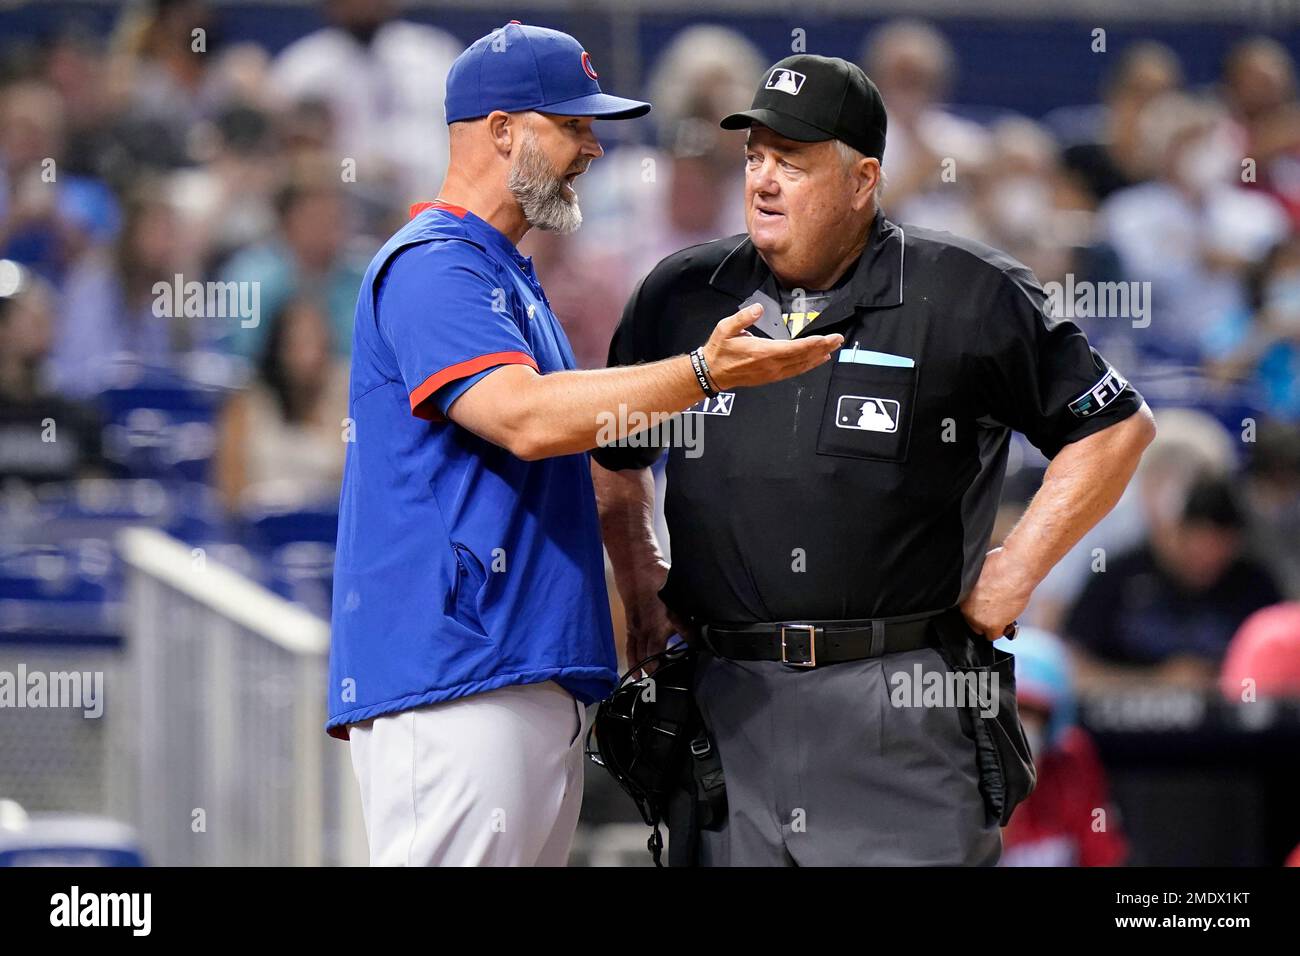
829	544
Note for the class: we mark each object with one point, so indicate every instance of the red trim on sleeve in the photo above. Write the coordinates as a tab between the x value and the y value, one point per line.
457	211
464	369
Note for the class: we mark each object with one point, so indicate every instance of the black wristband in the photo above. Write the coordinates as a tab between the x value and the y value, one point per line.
701	376
704	367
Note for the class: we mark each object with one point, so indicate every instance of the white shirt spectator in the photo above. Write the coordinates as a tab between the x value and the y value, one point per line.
1163	237
936	204
386	98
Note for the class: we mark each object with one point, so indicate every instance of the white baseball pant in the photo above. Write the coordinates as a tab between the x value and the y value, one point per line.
492	779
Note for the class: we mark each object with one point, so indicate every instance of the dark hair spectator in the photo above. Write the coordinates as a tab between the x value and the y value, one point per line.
110	308
284	437
1165	611
43	436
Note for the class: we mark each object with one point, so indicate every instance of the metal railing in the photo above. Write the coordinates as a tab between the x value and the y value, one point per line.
224	693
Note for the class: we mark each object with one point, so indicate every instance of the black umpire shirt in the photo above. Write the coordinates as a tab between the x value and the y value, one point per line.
868	486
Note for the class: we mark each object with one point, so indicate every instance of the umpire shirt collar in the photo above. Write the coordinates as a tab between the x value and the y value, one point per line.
877	281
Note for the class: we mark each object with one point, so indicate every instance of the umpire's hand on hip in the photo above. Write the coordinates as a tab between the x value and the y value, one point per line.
648	622
999	596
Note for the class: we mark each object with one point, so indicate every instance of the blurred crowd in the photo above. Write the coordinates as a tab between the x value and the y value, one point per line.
159	154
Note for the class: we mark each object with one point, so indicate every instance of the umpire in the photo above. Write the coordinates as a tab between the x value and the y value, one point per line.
829	542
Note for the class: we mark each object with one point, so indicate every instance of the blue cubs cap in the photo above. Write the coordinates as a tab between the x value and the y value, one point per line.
519	67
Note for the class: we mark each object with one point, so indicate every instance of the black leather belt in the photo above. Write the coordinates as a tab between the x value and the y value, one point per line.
814	643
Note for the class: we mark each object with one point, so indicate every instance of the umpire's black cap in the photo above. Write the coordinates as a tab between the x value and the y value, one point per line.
813	98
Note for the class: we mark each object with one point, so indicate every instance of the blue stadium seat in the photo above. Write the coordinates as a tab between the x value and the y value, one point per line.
67	839
271	527
303	572
159	424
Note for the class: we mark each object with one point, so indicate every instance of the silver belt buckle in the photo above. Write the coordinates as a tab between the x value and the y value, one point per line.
812	645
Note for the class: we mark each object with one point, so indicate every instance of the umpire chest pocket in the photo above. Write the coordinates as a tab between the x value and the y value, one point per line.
868	412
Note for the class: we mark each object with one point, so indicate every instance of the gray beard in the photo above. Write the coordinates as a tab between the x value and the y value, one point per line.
539	192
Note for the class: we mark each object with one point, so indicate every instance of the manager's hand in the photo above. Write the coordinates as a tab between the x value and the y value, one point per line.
537	416
737	358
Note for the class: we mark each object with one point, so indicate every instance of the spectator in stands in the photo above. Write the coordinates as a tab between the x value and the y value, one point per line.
168	73
1263	659
1259	342
226	202
1029	209
1273	490
284	438
110	309
914	66
1068	820
1165	611
43	437
688	189
1188	444
75	65
1192	231
1104	149
1259	88
48	216
310	250
384	80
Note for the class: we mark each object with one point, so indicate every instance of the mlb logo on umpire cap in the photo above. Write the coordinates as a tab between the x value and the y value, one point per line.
787	81
844	104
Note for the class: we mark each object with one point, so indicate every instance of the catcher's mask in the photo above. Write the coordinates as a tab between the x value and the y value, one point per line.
652	740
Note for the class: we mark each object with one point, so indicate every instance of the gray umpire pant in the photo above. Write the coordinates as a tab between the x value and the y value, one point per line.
823	770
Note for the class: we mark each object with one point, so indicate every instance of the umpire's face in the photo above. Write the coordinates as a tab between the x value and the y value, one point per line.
805	206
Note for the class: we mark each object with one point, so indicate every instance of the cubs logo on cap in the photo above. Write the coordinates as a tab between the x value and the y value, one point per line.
587	67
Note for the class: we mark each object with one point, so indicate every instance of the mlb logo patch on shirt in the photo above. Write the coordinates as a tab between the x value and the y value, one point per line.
867	414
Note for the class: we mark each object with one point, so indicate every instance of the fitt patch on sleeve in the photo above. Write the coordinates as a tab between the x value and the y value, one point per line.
1109	388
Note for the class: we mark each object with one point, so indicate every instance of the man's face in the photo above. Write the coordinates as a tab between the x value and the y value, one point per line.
796	197
553	152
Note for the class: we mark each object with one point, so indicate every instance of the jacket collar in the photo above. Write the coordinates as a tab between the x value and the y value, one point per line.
877	281
490	234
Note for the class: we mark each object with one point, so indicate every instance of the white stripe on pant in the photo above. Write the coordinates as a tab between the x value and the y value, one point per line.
492	779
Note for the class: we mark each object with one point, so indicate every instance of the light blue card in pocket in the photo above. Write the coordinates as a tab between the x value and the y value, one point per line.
868	357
